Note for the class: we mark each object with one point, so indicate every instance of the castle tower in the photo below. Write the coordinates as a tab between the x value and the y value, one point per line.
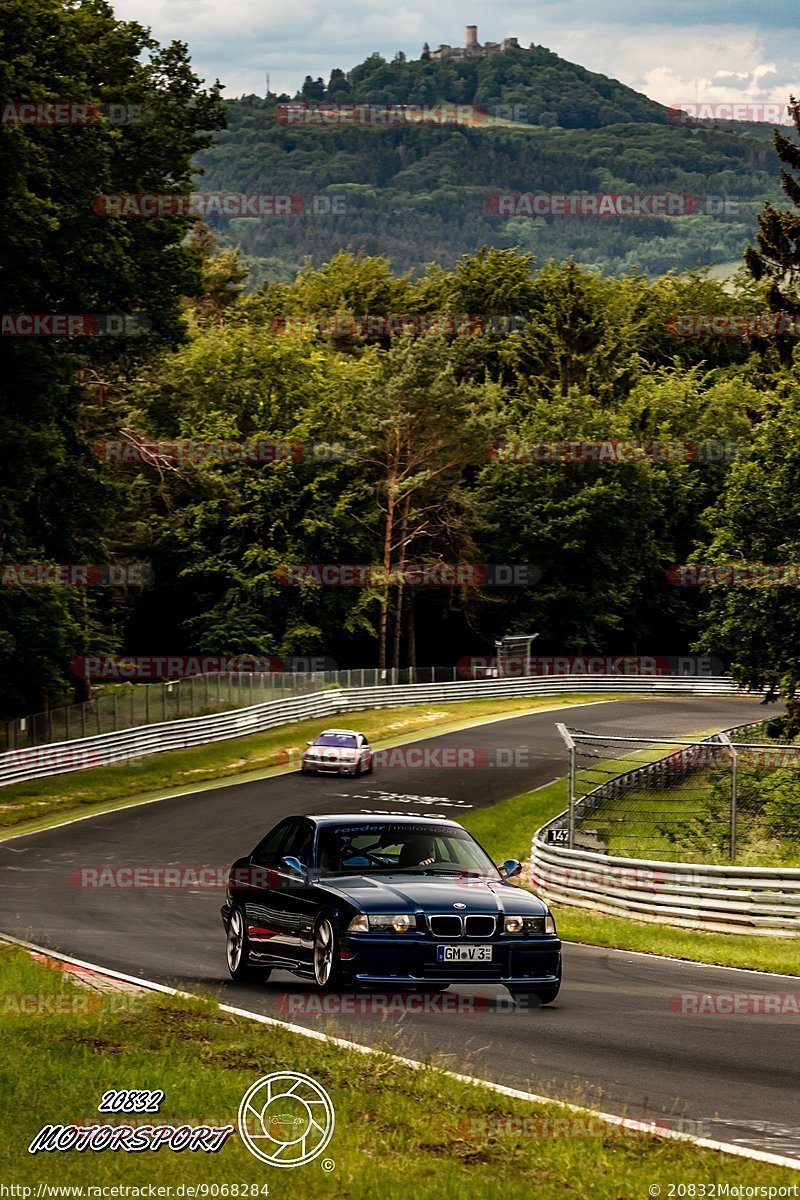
472	39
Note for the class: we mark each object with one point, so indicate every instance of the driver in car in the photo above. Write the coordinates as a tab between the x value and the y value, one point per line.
420	852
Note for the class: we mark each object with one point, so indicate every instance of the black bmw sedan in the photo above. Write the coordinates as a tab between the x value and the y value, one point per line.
409	902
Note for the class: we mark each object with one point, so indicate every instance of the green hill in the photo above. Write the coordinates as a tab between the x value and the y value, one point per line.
420	193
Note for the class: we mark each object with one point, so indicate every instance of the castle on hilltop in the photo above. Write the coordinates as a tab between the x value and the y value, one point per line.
473	48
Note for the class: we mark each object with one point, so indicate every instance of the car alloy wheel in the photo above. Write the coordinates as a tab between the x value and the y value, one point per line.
326	956
235	941
237	949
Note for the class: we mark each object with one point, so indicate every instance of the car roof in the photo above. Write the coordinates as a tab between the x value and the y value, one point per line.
372	819
352	732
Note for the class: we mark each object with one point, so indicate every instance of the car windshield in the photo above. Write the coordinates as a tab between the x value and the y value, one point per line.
336	739
410	849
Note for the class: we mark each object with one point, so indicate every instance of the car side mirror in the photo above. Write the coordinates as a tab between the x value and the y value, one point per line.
292	867
309	743
510	868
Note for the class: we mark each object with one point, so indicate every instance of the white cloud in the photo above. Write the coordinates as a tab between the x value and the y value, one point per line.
670	54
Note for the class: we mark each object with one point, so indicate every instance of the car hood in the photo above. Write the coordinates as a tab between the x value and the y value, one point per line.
407	893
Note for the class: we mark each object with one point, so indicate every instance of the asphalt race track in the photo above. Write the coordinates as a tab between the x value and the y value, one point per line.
615	1038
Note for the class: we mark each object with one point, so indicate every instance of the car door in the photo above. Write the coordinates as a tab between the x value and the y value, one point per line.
266	923
296	900
291	901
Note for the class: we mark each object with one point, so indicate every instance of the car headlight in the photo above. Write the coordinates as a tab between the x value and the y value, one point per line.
520	924
382	923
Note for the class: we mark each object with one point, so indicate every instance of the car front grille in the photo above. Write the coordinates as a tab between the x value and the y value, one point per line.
480	926
446	925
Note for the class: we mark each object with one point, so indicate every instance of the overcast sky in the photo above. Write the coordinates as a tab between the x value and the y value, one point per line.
683	50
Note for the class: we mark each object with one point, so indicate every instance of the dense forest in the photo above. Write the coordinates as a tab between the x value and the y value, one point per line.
396	431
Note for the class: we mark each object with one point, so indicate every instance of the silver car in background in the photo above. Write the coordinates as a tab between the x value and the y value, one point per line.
338	752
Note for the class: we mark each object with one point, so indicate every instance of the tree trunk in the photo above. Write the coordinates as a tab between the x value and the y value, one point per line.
411	637
388	529
398	608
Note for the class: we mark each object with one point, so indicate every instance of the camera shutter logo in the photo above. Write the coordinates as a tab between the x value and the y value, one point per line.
286	1119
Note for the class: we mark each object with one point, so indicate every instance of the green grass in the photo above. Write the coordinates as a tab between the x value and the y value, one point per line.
778	955
506	830
42	801
399	1132
694	829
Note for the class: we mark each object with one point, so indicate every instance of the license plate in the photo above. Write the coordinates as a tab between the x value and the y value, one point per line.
463	953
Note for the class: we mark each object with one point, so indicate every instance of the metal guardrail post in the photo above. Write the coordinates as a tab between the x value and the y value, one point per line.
567	736
725	740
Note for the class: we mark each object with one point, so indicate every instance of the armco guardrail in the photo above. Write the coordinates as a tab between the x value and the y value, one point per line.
764	900
729	899
59	758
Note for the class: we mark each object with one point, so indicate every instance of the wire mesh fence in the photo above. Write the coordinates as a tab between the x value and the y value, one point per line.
128	705
727	798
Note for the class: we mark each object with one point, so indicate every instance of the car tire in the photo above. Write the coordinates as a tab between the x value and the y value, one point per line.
536	997
237	950
368	769
326	962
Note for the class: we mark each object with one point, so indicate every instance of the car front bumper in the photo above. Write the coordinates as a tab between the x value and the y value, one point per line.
517	961
330	768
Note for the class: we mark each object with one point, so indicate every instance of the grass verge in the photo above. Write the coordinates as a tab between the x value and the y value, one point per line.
506	830
399	1132
43	801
